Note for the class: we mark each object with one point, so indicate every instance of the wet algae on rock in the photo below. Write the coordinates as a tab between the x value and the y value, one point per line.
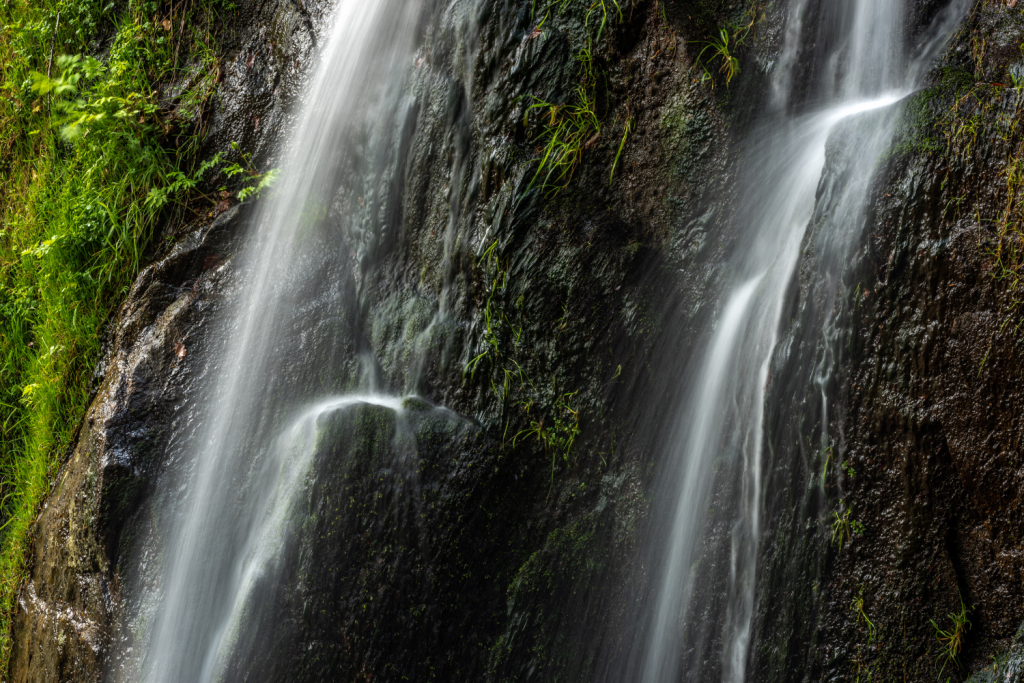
489	530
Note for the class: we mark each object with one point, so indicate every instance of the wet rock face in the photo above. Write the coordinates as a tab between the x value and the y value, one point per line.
463	584
387	558
267	50
904	525
1008	667
440	547
932	429
67	608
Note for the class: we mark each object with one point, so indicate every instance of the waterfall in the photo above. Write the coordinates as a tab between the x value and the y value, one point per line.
288	347
862	69
292	357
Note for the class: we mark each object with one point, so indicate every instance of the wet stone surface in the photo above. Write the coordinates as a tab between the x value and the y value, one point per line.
434	544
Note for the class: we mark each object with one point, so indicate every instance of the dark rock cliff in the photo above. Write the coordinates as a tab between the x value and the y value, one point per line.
512	557
899	534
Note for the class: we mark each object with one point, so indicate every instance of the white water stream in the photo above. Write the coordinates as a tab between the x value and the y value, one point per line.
257	440
719	428
726	404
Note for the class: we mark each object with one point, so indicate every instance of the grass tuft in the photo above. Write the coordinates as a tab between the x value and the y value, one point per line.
569	129
952	639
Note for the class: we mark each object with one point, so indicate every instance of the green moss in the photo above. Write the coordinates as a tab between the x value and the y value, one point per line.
918	130
689	135
542	589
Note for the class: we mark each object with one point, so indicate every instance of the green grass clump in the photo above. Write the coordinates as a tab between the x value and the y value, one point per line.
551	416
83	144
951	640
722	48
568	128
558	434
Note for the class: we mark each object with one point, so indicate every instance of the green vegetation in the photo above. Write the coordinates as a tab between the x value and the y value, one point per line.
494	321
848	469
952	640
626	130
840	529
989	110
183	185
1008	255
91	162
598	6
858	609
570	128
843	528
559	435
722	48
552	419
544	585
824	468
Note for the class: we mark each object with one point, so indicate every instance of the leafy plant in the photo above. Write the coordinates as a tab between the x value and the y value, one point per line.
102	108
256	181
848	469
182	185
952	640
722	48
491	314
843	528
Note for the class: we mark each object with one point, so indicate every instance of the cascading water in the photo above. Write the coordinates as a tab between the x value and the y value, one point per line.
718	438
289	367
289	347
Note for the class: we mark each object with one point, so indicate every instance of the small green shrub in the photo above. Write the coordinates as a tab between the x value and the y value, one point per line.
843	528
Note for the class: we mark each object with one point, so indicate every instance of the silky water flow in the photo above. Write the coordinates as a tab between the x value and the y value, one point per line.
289	345
718	436
288	349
